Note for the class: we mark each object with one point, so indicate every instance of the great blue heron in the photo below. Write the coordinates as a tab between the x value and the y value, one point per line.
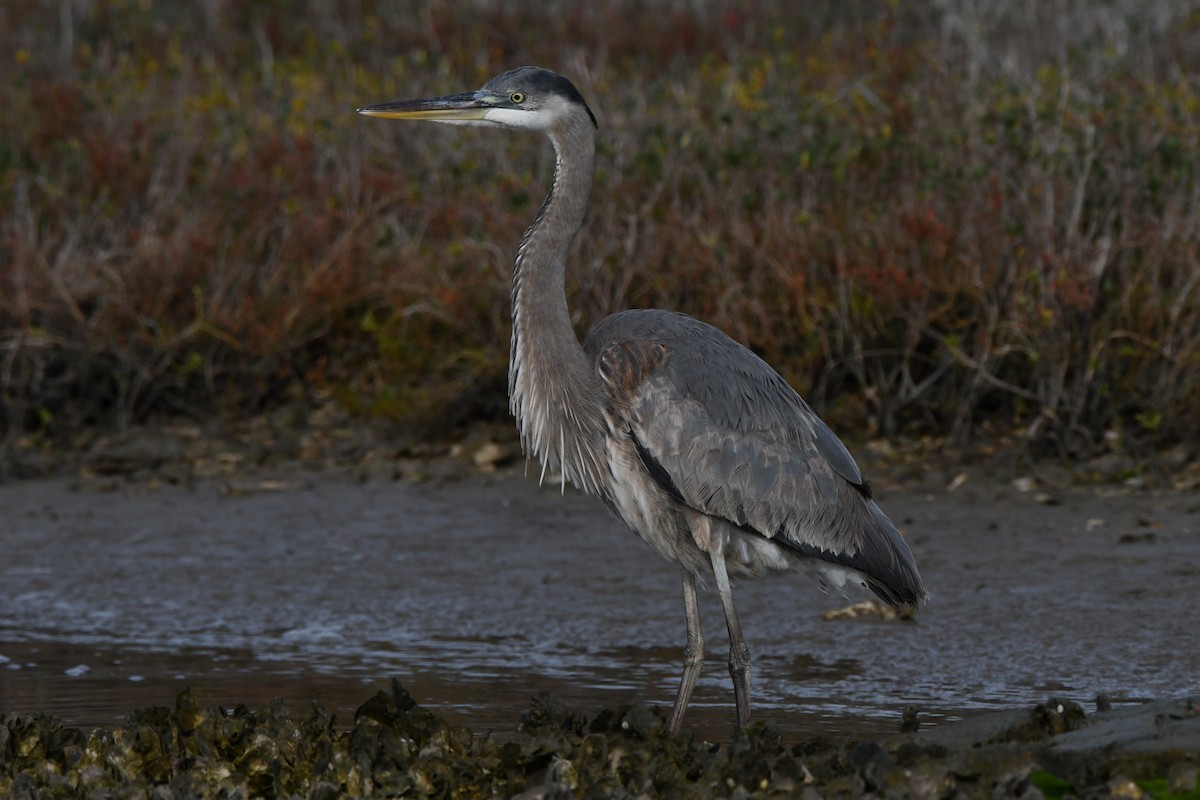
688	437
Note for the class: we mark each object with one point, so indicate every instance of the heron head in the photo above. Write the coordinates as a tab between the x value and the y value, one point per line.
529	98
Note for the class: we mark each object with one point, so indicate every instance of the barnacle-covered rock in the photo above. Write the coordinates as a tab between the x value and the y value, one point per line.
37	751
398	748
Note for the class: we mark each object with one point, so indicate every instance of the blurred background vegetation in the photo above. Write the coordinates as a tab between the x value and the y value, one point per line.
952	219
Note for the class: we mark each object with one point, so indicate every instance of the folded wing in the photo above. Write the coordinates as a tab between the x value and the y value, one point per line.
722	432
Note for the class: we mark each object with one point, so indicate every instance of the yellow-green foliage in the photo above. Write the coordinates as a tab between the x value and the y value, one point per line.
929	221
1053	787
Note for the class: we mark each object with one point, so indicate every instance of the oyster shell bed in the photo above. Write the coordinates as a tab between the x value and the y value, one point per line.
397	748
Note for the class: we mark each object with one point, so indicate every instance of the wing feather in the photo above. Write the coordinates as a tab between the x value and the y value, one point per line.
722	432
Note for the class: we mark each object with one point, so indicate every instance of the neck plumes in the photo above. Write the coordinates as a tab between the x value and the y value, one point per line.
553	389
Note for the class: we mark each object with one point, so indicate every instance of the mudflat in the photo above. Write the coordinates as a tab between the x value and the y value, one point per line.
481	591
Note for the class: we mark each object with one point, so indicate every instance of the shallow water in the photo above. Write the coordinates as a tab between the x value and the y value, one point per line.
480	593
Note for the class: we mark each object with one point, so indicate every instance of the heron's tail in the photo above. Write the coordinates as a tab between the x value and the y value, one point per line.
886	562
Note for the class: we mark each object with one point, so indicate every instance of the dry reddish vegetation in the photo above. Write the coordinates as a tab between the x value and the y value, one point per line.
930	221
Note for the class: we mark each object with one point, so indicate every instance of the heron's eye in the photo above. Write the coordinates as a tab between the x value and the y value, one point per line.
517	97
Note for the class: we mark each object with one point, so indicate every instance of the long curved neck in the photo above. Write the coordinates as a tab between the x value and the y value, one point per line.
553	389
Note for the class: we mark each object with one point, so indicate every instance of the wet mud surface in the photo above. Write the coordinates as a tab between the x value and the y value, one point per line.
479	593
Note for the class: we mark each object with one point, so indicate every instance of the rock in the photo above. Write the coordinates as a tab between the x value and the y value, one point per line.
133	451
397	747
1160	727
492	455
24	464
1181	778
1025	484
1109	467
865	608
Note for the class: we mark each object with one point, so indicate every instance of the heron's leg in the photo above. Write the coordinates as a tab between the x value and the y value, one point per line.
693	653
739	653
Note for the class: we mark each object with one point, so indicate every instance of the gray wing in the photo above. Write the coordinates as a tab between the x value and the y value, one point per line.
725	433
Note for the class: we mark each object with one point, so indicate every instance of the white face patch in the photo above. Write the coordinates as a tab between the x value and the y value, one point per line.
512	118
552	109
